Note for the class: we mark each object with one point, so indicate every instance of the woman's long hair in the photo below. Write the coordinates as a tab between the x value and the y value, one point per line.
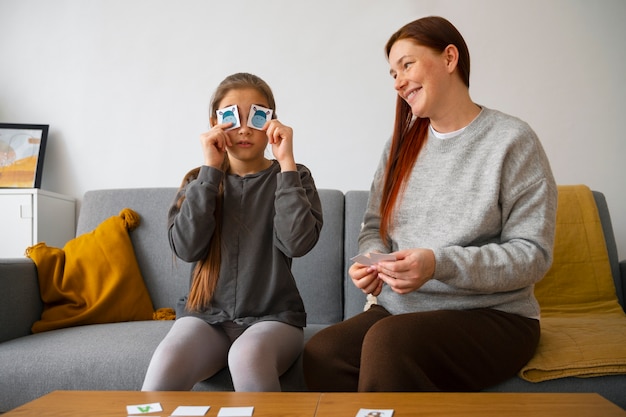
206	272
410	133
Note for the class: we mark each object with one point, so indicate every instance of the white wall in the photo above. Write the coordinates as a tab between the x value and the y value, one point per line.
125	84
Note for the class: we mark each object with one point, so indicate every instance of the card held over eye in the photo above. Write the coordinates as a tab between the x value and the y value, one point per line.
258	116
229	114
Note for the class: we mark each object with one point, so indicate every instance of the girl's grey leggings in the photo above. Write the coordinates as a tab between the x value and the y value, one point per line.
194	350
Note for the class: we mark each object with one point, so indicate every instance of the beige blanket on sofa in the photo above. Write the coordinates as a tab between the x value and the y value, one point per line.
583	327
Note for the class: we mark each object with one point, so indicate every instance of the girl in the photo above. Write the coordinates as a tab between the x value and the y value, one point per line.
241	218
465	200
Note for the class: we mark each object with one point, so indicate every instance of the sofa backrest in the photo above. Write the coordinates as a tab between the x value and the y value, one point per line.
322	275
318	274
167	278
611	246
356	202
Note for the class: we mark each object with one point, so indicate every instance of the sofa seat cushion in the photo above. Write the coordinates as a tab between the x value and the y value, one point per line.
95	278
112	356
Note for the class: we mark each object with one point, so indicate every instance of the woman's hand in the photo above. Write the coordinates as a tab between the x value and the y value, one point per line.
411	269
281	139
214	143
366	278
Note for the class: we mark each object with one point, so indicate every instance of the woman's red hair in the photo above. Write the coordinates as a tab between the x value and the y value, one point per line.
410	133
408	139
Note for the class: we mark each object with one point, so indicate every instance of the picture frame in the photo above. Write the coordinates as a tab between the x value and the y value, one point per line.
22	150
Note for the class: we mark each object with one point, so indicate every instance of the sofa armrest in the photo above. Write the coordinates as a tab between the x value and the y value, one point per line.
20	302
622	281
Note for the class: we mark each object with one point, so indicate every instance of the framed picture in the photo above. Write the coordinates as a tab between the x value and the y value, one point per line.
22	148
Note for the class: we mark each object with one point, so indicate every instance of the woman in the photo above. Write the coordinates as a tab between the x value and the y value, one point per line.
465	201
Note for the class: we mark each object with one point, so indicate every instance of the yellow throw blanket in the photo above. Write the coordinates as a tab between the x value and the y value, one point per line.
95	278
583	327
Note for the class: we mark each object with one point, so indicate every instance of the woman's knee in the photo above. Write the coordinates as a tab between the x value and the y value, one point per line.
344	338
323	344
385	334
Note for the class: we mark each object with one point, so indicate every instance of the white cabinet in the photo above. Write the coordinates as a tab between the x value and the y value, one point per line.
30	215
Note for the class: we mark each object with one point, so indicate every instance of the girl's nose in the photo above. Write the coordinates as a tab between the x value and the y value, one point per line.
244	129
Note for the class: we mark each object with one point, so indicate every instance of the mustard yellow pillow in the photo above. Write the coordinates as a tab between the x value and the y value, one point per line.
95	278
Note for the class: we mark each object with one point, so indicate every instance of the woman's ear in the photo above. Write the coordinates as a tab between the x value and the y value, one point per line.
212	121
451	56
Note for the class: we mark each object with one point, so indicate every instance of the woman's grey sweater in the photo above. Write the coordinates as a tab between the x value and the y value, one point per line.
485	202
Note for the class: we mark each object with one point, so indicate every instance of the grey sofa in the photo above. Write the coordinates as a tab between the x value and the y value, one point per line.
115	356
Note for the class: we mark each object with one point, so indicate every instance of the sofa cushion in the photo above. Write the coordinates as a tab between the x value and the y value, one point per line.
356	203
110	356
95	278
316	272
166	277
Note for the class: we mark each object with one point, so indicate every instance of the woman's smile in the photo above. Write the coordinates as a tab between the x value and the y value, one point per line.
411	94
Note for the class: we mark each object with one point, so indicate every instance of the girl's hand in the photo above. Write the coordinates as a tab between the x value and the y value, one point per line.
412	269
281	139
214	143
366	278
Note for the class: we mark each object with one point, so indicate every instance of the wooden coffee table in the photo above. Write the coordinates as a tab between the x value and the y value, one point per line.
113	403
470	405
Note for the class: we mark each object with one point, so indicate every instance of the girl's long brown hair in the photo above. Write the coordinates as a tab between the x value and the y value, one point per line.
206	272
410	134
